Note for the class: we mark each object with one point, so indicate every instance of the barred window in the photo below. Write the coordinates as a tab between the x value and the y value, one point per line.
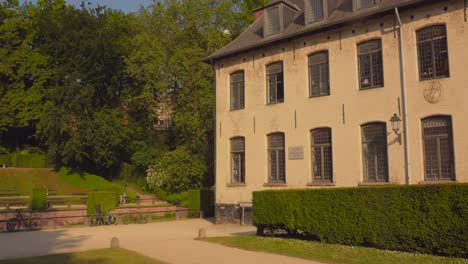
374	151
314	10
319	80
367	3
276	158
237	90
370	64
322	163
275	83
272	21
238	160
438	148
433	52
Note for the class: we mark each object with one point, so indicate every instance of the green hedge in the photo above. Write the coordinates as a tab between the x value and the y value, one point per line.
39	199
425	219
108	200
5	159
30	161
189	199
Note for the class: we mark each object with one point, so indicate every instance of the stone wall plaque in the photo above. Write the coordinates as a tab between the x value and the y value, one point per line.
433	92
296	153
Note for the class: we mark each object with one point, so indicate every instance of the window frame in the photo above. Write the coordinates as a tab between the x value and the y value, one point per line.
276	82
327	65
374	144
322	146
451	146
280	177
241	90
308	7
241	162
268	20
432	41
371	55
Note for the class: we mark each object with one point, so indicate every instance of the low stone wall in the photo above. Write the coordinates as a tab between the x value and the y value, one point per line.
61	218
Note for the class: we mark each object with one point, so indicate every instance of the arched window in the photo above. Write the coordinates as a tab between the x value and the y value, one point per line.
319	80
237	90
370	64
238	160
321	153
275	83
433	52
276	158
374	152
438	148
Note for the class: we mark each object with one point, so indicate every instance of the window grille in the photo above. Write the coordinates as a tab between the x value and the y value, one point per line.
433	52
319	79
438	149
272	21
237	90
276	158
322	163
375	155
315	10
367	3
275	83
238	160
370	64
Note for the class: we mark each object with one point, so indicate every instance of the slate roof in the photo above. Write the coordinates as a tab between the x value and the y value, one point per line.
339	12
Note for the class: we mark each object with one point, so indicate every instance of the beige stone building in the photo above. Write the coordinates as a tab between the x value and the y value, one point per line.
306	95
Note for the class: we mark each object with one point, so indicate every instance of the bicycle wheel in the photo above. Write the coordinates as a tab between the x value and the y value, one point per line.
112	219
127	219
93	220
13	225
33	223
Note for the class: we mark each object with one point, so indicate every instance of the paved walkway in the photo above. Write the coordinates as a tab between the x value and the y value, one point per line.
171	242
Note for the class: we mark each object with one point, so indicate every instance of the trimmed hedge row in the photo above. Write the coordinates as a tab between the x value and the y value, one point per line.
425	219
24	160
189	199
39	199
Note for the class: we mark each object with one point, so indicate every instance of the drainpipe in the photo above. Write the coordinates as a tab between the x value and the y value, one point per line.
403	97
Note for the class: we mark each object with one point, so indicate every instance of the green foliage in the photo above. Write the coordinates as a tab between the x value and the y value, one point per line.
160	193
107	200
425	219
39	199
5	159
29	161
177	171
82	180
132	197
207	202
189	199
167	216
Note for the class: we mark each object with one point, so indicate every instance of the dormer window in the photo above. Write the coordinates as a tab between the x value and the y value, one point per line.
272	21
315	10
363	4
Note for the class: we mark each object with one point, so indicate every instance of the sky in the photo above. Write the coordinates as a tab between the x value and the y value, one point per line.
124	5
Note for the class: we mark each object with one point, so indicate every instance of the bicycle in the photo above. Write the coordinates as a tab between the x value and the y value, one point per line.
134	217
14	224
100	219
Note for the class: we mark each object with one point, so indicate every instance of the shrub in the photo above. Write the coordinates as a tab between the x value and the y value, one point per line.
29	161
5	159
39	199
189	199
106	199
425	219
160	193
132	197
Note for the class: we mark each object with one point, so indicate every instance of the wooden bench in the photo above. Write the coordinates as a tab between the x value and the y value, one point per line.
66	200
14	201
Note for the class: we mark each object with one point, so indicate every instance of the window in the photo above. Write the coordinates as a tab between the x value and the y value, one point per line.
438	148
319	80
275	83
272	21
433	52
238	160
237	90
374	151
315	10
276	158
363	4
370	64
322	164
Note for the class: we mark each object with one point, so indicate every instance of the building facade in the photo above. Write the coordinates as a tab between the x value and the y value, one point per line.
304	98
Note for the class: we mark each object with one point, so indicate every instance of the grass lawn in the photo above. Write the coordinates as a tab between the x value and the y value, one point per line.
102	256
327	253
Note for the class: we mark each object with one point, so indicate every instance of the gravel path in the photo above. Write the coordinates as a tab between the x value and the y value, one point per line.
172	242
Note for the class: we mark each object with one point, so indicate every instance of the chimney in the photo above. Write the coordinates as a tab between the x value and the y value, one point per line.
257	13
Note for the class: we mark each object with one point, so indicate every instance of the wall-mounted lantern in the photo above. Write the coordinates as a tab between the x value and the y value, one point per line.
396	122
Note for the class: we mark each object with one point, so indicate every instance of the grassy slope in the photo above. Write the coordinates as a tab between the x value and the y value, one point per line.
328	253
63	181
103	256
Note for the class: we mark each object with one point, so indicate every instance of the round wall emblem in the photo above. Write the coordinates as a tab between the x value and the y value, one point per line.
433	92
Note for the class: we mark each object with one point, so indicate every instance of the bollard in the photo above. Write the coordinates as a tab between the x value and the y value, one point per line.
202	233
115	243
